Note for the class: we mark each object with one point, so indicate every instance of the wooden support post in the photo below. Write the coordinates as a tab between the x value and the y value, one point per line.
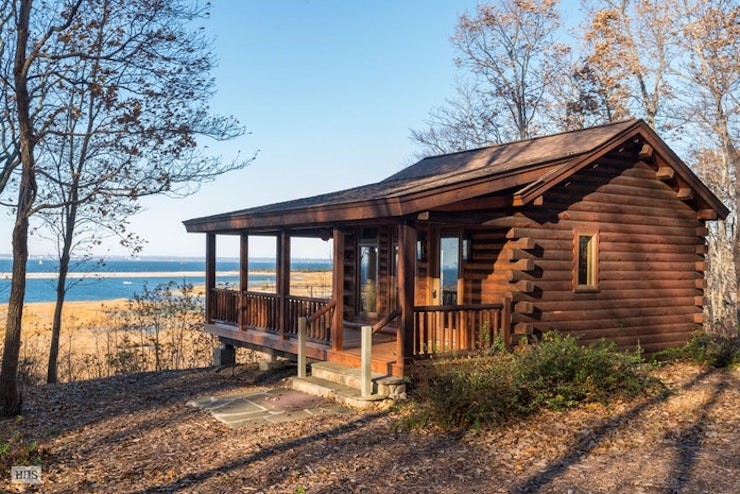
506	320
282	281
243	278
406	288
337	288
366	353
301	347
210	274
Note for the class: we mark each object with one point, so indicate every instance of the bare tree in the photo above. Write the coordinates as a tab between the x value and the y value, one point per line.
468	120
709	83
628	46
512	60
111	104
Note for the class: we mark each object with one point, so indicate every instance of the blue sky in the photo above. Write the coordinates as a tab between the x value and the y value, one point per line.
328	89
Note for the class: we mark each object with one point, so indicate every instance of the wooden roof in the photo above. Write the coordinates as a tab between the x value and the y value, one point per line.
530	167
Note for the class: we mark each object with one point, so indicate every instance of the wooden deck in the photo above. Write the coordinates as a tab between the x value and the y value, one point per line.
383	354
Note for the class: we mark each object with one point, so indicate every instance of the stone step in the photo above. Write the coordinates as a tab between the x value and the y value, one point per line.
342	374
334	391
392	387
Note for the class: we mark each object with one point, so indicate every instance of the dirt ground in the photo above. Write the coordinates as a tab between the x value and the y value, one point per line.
136	434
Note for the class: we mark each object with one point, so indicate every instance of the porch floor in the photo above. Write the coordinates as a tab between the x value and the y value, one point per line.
383	352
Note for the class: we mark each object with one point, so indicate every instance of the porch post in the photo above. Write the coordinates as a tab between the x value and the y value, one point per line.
210	274
406	288
282	280
337	288
243	278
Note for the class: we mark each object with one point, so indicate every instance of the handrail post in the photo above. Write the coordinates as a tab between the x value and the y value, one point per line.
301	347
366	348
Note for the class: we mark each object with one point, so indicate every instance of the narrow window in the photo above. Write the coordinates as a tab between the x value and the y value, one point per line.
587	255
368	277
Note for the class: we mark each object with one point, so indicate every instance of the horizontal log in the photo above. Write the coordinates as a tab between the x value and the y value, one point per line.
543	233
699	318
644	238
645	266
647	284
622	200
700	283
701	249
629	245
700	266
688	299
699	301
524	243
702	231
627	219
615	315
640	184
585	191
638	256
522	265
515	254
524	307
617	324
635	331
658	296
683	212
523	329
665	173
647	275
524	286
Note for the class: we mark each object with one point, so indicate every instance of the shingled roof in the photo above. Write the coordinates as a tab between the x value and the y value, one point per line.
399	194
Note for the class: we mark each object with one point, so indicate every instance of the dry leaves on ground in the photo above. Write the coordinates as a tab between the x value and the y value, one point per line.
136	434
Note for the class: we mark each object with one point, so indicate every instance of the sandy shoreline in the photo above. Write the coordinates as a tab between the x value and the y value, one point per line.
140	274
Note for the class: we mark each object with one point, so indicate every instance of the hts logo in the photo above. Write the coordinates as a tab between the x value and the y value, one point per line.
25	474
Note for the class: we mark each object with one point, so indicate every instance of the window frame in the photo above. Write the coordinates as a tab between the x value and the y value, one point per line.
592	260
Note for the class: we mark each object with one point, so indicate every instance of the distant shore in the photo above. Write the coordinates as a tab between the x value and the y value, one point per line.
39	314
137	274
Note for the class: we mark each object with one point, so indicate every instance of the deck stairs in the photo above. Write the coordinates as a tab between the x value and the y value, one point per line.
341	383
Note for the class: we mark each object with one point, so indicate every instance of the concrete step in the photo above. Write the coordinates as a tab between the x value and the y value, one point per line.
342	374
334	391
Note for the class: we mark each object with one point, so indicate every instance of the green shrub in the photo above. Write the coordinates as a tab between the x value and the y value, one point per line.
491	388
704	349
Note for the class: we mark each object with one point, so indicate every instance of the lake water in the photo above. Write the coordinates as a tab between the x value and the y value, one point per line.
122	278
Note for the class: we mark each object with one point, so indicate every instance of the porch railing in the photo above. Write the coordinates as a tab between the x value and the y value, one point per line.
224	306
262	311
450	328
318	312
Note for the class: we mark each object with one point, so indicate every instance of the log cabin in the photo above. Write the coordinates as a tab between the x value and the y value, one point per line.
597	233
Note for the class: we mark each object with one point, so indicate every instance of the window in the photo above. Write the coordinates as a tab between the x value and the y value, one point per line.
587	261
449	268
368	276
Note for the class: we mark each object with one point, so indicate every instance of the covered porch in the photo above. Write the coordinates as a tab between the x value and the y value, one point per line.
406	326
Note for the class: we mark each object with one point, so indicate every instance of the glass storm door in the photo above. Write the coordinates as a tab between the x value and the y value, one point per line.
449	269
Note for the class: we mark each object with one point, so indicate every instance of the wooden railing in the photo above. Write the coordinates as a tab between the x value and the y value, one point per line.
450	328
318	313
262	311
224	306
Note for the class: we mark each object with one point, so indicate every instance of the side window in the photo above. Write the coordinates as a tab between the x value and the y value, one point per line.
586	255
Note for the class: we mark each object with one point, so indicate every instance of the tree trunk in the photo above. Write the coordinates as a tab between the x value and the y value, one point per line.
10	400
56	325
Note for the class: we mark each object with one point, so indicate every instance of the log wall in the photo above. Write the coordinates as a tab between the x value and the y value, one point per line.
650	253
